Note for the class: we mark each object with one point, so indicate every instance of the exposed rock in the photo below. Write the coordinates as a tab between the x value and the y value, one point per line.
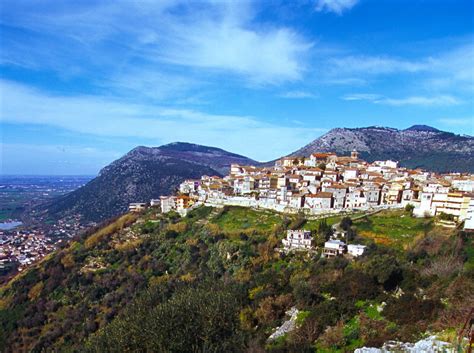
419	146
287	326
427	345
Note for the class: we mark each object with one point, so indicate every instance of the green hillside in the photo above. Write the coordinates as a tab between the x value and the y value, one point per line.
213	282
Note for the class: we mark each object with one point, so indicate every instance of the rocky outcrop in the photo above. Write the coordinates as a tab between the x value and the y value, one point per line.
287	326
427	345
419	146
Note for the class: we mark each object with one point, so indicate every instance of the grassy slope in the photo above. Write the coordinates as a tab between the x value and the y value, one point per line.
87	286
394	228
239	218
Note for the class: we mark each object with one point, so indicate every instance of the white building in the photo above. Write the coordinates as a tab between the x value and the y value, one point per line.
388	164
350	173
189	186
334	247
469	221
155	202
297	240
424	207
320	201
355	249
136	207
168	203
463	184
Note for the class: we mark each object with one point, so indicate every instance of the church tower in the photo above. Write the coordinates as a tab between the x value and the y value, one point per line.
354	154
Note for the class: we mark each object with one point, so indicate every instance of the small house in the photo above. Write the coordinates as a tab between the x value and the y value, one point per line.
136	207
356	250
334	248
297	240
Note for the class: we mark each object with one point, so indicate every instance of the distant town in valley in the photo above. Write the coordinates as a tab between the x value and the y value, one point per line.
26	237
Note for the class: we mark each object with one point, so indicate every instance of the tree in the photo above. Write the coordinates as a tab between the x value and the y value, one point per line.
324	233
298	222
203	319
324	229
409	208
351	234
386	270
346	223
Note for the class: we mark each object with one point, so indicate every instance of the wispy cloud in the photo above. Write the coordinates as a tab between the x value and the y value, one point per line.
231	47
361	96
337	6
466	124
377	65
219	37
447	70
146	81
437	101
298	95
434	101
458	121
453	70
105	116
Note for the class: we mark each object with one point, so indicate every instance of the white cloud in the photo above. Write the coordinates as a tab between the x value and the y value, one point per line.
298	95
432	101
345	81
103	116
270	56
220	37
148	82
458	121
376	65
337	6
361	96
436	101
451	70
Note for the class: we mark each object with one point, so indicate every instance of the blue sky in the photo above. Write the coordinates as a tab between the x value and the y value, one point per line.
83	82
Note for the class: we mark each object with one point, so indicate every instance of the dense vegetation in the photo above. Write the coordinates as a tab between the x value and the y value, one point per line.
213	282
132	180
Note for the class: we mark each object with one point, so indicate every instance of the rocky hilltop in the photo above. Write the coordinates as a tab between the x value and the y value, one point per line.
138	176
419	146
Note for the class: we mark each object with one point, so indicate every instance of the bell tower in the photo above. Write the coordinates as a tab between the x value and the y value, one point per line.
354	154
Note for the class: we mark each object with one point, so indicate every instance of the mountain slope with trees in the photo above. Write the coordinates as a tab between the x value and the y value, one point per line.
213	281
142	174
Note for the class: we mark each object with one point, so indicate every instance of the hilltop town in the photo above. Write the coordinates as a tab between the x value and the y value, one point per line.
325	183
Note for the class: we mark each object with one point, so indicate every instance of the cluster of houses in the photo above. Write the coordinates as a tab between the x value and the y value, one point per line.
301	240
327	183
23	248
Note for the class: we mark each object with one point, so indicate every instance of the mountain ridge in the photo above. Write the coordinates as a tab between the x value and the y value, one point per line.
140	175
418	146
149	172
